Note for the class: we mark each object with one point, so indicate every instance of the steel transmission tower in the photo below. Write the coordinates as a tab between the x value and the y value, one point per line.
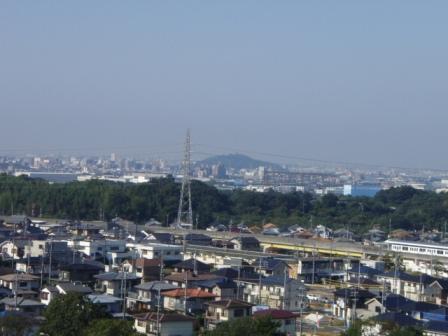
185	212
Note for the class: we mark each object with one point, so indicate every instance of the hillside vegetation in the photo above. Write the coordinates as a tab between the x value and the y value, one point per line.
405	207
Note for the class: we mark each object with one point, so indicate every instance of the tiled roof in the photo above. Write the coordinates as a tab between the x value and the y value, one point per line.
276	314
180	277
164	317
71	288
230	304
110	276
190	265
190	293
155	285
18	276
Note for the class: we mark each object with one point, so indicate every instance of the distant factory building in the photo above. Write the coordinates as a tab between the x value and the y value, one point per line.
368	190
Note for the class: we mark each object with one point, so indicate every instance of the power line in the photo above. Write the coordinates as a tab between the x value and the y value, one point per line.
302	158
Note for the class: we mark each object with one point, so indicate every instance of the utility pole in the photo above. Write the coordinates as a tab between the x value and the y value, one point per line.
161	268
185	293
123	289
314	263
50	261
238	283
301	308
185	193
259	281
158	313
284	289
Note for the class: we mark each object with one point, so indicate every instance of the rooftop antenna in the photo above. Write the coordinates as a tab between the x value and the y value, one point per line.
185	193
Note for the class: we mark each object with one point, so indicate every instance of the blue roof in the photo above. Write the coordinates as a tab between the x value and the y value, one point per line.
216	282
438	326
276	280
401	319
423	278
364	270
268	263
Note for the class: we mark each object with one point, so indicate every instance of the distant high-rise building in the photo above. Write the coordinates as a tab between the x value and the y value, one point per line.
219	171
113	157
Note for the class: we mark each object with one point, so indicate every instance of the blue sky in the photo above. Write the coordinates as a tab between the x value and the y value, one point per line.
359	81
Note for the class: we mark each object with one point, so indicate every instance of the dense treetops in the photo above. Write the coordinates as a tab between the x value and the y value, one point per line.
404	207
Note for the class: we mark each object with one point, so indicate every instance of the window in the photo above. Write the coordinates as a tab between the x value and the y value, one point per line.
422	250
405	248
287	322
114	248
439	252
238	313
100	248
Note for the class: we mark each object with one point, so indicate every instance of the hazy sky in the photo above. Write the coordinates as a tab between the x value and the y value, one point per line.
360	81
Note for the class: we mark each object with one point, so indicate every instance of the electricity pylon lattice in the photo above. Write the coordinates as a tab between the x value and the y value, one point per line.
185	212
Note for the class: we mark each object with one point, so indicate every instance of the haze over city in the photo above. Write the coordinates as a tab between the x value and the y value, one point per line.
340	81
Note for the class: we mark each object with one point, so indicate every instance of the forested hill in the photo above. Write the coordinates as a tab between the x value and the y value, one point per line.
405	207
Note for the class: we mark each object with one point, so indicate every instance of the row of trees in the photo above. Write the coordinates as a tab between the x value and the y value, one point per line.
402	207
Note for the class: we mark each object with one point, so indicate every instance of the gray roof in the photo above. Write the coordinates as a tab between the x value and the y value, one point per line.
115	276
72	288
103	298
21	302
155	286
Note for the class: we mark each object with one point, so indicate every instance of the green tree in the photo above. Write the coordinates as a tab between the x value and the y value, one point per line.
108	327
354	330
15	325
404	331
439	268
263	326
69	315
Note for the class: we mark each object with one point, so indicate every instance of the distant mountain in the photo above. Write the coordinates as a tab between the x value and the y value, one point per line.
239	161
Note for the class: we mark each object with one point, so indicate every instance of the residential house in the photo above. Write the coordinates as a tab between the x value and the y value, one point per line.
312	269
161	237
58	249
190	300
13	249
437	292
180	279
275	292
21	305
192	265
111	304
323	232
286	319
224	311
196	239
271	266
248	243
17	221
409	285
347	298
224	289
168	253
145	296
164	324
80	272
115	283
98	249
147	269
20	281
50	292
